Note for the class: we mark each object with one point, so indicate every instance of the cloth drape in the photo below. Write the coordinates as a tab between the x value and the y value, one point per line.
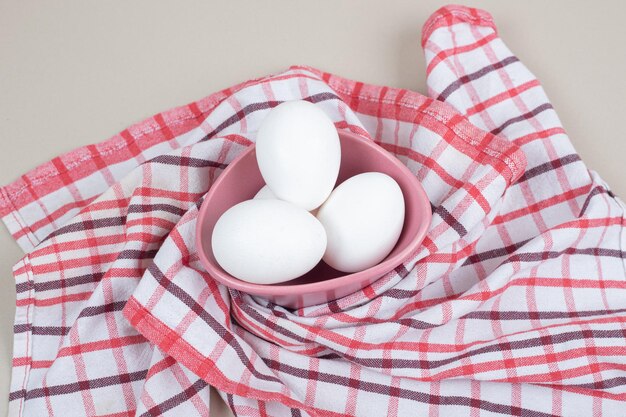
515	304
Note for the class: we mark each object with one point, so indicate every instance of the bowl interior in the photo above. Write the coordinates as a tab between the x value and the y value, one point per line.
242	179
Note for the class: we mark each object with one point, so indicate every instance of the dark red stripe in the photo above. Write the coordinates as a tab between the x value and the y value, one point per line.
251	108
538	315
548	166
604	384
186	161
451	220
474	76
204	315
62	389
148	208
551	340
542	256
68	282
137	254
596	190
409	394
41	330
495	253
538	256
102	309
176	400
526	116
89	225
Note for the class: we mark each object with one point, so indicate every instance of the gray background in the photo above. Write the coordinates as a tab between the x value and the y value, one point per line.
77	72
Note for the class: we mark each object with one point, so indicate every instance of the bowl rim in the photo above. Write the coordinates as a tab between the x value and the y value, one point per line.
388	264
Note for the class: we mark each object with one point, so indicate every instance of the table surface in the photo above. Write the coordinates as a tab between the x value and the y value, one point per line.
76	72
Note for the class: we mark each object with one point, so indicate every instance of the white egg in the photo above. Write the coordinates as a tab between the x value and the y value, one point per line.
264	194
267	241
298	152
363	219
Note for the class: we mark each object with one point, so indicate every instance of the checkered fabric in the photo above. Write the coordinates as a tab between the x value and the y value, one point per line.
514	305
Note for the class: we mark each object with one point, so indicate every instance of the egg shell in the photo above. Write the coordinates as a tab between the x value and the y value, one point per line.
264	194
363	219
298	152
267	241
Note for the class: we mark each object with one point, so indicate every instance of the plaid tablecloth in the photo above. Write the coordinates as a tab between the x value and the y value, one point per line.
515	304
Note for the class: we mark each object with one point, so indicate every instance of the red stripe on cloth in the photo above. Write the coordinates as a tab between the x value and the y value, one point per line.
79	349
490	366
438	117
499	98
47	302
41	364
590	392
541	205
446	53
162	336
449	15
119	148
128	413
22	361
57	214
543	134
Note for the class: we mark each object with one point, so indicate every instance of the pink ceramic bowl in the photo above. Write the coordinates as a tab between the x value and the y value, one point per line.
242	179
